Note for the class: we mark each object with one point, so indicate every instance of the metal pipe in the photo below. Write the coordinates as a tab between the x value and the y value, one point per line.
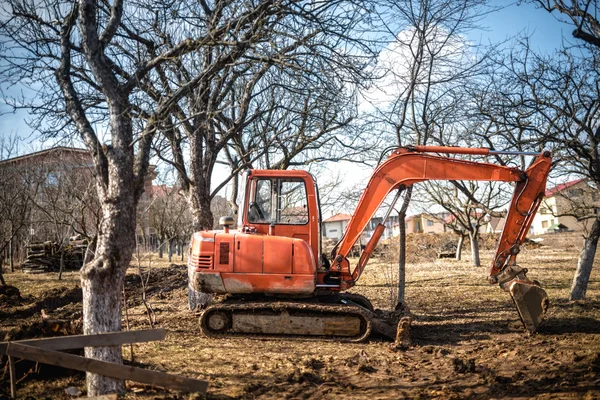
387	215
515	153
323	285
468	150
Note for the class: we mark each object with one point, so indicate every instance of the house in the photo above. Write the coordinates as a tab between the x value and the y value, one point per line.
561	206
59	182
334	227
424	223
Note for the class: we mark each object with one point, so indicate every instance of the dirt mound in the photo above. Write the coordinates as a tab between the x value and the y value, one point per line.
49	301
10	296
158	281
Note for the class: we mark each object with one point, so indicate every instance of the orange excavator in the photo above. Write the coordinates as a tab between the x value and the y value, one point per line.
280	284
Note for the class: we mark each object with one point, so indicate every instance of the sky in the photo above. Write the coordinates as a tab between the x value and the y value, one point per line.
501	26
515	19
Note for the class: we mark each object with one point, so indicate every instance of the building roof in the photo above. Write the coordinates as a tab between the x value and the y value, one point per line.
339	217
561	187
45	152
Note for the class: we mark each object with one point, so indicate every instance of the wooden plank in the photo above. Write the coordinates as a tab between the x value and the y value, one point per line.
104	368
99	340
13	378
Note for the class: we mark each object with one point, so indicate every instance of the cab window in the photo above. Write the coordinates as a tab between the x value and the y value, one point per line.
282	201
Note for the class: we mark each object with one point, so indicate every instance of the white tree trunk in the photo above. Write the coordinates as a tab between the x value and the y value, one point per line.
473	236
459	246
101	283
585	263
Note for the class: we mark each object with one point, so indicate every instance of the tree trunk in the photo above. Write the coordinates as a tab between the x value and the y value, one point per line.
11	258
170	249
101	283
233	197
90	250
202	216
473	236
2	281
62	263
161	244
402	247
585	263
459	246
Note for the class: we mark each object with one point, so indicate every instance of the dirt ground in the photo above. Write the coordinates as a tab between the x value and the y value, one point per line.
468	340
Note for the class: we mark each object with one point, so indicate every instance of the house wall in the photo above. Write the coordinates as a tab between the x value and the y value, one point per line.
563	202
334	229
431	225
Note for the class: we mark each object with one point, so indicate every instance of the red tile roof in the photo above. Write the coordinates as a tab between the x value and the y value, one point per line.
339	217
561	187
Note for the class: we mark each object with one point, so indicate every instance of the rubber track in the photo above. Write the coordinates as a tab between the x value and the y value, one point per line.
319	310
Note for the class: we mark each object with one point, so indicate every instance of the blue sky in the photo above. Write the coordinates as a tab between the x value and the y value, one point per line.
512	20
546	35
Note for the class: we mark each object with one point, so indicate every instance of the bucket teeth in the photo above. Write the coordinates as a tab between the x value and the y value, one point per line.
531	302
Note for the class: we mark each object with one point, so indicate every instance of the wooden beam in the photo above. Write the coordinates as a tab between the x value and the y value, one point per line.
99	340
13	378
104	368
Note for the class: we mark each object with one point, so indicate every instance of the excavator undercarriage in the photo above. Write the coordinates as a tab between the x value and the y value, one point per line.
346	317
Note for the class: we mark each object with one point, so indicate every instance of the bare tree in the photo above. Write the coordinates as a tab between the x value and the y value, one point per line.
425	67
581	13
86	62
275	87
568	99
555	101
170	217
18	186
469	206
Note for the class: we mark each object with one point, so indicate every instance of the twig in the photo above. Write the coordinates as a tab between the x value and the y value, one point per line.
149	309
127	319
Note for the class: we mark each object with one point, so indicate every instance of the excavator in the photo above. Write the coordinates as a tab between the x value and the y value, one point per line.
279	284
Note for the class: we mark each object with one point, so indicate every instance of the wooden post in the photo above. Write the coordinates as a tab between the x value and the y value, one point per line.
13	378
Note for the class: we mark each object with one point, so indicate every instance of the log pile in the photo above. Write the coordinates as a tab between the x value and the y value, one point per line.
45	257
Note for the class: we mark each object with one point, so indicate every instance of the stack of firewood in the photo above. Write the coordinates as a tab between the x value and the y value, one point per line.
45	257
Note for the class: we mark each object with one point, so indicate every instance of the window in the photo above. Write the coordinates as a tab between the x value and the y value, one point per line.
575	192
282	201
52	179
545	210
292	203
429	222
544	224
259	210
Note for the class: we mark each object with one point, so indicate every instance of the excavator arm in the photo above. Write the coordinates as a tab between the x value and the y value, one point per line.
410	165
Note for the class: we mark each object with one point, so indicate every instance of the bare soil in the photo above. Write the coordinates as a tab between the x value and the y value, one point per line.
468	340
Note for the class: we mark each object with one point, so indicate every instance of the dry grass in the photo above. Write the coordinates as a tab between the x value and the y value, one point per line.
468	340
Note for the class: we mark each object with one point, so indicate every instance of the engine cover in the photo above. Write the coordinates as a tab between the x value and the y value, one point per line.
238	263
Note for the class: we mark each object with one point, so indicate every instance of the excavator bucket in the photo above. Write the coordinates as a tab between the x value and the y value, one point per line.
531	302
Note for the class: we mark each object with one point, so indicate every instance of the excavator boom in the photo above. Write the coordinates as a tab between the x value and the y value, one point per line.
407	166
